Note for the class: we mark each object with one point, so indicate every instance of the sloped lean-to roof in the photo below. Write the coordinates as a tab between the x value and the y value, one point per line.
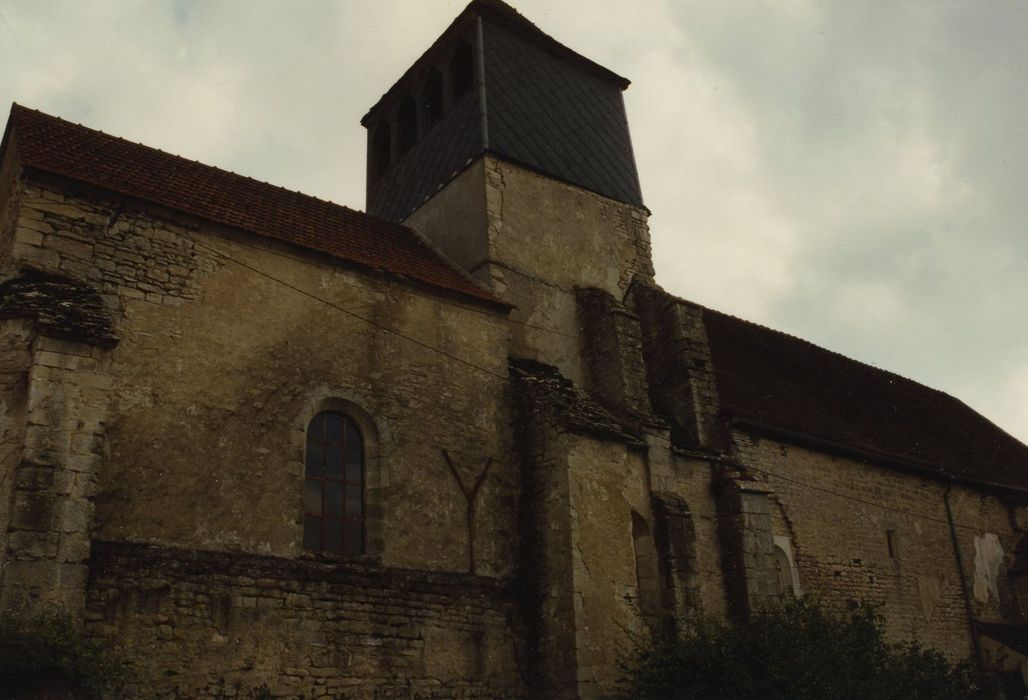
69	150
60	306
770	379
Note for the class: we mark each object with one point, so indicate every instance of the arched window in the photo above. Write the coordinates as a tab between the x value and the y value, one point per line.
407	123
462	69
432	97
333	490
381	144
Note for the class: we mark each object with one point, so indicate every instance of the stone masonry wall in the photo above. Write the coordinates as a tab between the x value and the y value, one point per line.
612	348
545	239
16	337
11	188
536	240
692	479
837	512
607	482
126	254
220	368
211	625
51	517
544	533
747	545
200	416
678	365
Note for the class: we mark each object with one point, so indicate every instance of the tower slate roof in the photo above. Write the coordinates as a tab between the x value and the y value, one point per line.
52	145
535	103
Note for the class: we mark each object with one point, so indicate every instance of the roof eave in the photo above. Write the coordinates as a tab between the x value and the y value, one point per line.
883	458
493	303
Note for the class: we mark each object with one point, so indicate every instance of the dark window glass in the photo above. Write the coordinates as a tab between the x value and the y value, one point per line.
432	96
462	69
407	123
354	540
333	428
333	535
333	490
333	499
315	458
354	506
334	460
312	497
354	457
311	532
381	147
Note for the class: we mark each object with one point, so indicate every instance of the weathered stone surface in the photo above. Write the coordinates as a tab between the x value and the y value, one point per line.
62	308
195	623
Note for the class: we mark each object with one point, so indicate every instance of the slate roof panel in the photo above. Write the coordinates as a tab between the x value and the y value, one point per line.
443	150
69	150
554	116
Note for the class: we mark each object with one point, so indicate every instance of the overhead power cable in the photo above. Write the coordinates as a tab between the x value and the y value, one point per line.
468	363
346	311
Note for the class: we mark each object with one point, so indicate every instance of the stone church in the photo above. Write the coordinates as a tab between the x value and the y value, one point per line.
461	445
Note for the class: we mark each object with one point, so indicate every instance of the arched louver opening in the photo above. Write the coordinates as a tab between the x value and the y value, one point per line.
407	124
381	144
432	97
462	69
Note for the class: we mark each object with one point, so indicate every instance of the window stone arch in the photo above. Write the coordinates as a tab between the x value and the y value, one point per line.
371	444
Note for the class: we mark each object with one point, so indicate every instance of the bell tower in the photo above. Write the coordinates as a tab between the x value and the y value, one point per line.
511	153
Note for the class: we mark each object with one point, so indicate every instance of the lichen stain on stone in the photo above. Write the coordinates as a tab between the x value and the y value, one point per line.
988	556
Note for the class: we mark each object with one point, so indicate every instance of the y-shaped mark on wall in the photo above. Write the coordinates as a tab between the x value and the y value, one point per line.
471	497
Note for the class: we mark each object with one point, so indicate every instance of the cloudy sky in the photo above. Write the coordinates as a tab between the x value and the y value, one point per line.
854	173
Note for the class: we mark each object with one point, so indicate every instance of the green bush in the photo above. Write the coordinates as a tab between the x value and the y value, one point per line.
798	652
50	653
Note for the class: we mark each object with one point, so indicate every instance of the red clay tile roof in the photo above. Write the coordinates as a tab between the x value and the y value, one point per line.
59	147
778	380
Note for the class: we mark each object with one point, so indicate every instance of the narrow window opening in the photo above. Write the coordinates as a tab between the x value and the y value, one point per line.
432	97
333	490
890	542
381	143
407	124
783	567
462	69
647	573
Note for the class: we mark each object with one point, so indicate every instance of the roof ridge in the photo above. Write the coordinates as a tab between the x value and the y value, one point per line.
504	12
78	153
880	370
786	334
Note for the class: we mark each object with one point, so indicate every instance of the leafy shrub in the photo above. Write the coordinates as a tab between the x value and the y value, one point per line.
798	652
49	653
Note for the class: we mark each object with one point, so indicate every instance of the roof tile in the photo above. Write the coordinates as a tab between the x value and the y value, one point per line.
776	379
69	150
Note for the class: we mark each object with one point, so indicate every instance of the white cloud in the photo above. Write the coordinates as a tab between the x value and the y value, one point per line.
851	172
